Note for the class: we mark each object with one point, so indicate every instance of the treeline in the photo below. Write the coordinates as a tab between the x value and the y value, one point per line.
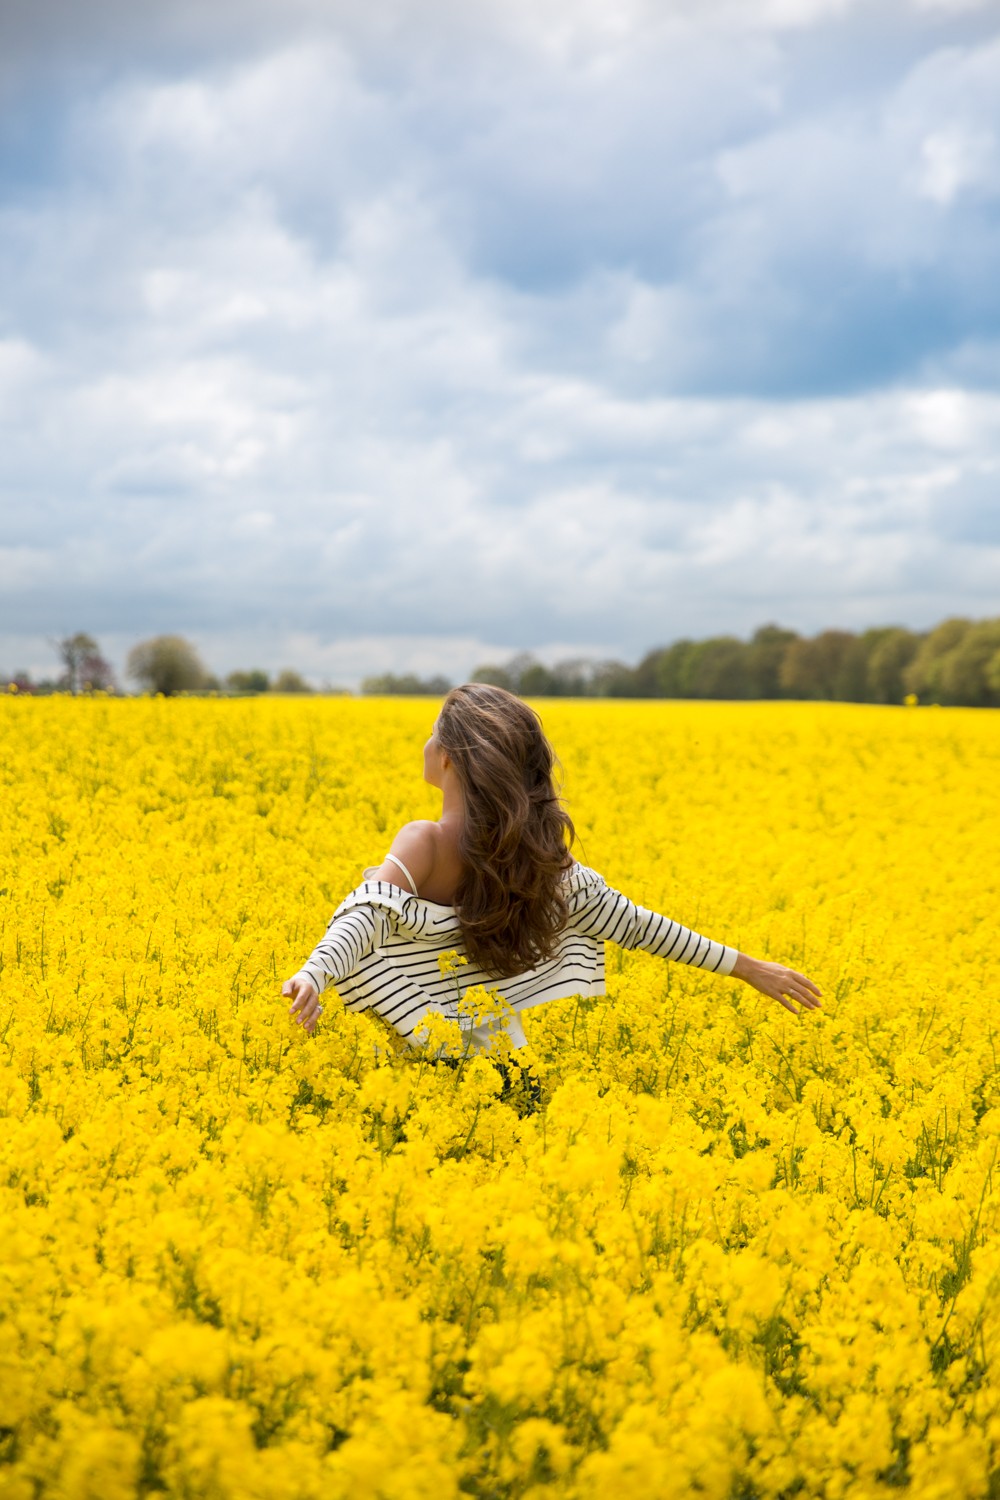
166	664
958	662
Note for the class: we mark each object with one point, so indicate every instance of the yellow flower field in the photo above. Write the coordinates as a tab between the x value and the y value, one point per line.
733	1253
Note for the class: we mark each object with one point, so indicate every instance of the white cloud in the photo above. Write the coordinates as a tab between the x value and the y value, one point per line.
641	322
955	160
953	7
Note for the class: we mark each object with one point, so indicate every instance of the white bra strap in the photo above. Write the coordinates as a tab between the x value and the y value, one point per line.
399	862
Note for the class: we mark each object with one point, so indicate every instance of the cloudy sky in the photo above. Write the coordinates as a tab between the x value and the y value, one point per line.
403	336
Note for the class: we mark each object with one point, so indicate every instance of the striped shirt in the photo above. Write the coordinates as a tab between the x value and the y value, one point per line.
382	945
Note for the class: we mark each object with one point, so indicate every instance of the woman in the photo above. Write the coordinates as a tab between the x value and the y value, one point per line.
493	877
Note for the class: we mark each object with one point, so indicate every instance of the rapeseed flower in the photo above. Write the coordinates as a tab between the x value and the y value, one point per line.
731	1252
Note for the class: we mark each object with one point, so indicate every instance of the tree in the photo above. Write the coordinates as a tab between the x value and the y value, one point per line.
824	667
887	661
798	674
966	675
717	668
254	681
672	675
81	657
494	676
407	684
290	681
522	674
612	679
578	677
645	676
167	664
993	672
572	679
765	654
924	675
96	674
520	664
536	681
850	682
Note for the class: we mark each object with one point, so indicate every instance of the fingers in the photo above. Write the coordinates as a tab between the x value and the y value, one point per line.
796	987
309	1014
305	1008
805	997
300	988
806	1002
804	979
294	988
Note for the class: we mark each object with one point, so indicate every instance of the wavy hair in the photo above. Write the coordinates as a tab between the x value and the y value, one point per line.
517	835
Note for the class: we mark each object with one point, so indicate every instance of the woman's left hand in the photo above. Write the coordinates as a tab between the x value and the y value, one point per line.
778	982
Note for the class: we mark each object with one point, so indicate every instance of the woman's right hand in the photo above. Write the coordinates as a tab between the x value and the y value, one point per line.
306	1000
778	982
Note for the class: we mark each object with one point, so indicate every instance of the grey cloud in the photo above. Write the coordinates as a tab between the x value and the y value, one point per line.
314	346
791	248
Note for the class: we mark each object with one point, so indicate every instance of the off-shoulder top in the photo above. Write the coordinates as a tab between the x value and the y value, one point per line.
382	945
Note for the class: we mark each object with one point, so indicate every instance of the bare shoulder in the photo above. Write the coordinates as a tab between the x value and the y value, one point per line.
416	845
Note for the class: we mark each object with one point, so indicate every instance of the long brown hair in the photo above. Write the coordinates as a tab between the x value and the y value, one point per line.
517	833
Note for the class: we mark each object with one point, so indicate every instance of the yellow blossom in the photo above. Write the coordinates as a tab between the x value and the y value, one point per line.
719	1250
450	961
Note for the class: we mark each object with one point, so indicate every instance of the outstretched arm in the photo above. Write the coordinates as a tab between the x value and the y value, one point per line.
349	938
603	912
353	934
606	913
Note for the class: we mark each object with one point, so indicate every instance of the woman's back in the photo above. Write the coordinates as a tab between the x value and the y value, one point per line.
433	850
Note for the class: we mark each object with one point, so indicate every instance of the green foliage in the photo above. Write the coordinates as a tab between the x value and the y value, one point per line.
167	664
254	681
290	681
892	651
956	663
967	671
409	684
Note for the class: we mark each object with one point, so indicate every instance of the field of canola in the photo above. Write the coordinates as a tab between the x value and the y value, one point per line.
734	1252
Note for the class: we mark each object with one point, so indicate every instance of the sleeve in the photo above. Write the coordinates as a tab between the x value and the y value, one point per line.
351	935
599	911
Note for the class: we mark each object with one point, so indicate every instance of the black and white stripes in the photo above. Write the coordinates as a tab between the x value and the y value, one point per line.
612	917
382	945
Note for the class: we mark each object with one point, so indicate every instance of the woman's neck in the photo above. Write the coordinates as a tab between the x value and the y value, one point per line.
452	804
